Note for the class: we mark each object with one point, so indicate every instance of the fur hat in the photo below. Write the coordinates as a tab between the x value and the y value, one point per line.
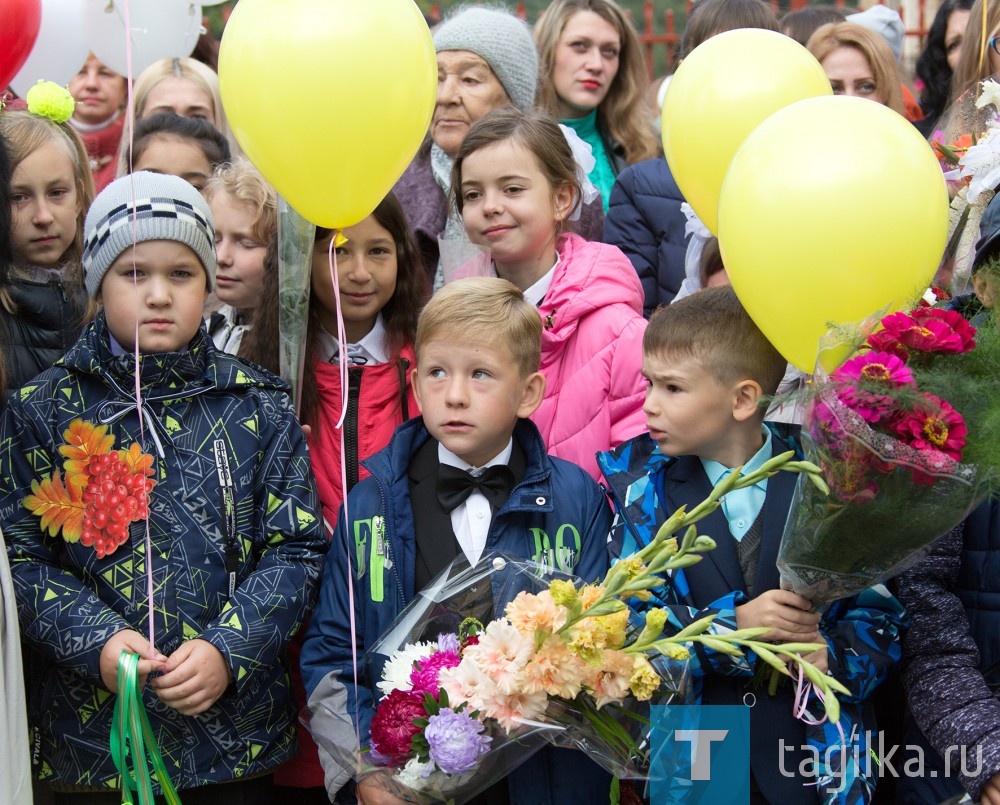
502	40
165	208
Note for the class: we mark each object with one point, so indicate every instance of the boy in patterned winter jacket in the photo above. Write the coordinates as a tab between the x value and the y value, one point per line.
195	473
708	367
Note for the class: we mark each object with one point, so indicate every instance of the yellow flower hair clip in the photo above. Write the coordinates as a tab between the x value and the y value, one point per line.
48	99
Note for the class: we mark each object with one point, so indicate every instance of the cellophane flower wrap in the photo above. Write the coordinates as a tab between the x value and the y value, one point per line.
907	436
968	147
487	665
454	751
490	663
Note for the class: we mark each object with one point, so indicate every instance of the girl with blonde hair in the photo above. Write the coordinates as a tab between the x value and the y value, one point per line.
975	64
182	86
43	305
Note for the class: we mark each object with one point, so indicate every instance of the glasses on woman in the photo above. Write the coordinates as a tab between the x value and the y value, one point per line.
994	44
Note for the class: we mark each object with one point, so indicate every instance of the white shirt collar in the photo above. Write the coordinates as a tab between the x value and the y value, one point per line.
373	347
536	293
445	456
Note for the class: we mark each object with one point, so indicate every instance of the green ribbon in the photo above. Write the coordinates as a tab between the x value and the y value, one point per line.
132	741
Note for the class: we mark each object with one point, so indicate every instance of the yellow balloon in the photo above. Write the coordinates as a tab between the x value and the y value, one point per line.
330	99
833	209
721	92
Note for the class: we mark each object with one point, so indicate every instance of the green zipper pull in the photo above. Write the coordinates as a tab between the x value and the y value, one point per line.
379	550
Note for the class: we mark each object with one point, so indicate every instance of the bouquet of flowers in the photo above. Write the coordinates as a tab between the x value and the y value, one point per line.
491	662
968	148
903	463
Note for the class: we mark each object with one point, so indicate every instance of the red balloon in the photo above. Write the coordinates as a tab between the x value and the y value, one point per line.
22	19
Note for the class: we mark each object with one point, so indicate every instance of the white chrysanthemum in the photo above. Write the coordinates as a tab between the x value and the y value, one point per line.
989	93
414	774
982	163
396	673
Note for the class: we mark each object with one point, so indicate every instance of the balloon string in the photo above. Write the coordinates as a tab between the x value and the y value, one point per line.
344	393
802	691
982	38
133	745
130	123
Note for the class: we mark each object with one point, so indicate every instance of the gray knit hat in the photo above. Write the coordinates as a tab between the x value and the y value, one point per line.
166	208
502	40
886	23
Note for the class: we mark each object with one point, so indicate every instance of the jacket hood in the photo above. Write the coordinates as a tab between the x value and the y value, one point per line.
166	374
393	462
589	276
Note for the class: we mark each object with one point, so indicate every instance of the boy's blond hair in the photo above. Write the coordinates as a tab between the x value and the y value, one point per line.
241	180
712	328
484	310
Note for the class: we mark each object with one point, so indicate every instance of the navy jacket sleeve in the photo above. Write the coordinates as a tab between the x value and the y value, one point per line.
645	221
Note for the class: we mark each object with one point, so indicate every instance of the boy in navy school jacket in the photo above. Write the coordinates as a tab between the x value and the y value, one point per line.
476	381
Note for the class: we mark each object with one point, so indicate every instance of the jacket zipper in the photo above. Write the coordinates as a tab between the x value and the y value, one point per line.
403	365
384	561
351	427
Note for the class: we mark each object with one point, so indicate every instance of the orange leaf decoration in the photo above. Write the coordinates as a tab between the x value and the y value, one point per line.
83	441
102	492
60	506
139	463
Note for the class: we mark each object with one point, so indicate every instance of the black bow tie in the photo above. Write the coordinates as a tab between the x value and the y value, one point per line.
454	485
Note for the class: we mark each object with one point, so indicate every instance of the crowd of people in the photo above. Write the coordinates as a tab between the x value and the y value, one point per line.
534	308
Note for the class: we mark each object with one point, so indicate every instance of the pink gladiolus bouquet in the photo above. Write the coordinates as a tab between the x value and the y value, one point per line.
903	463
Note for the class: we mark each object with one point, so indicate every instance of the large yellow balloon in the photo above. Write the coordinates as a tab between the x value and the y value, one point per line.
833	209
330	99
721	92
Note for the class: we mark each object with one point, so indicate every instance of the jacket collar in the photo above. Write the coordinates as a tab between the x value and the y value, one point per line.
164	375
393	462
638	475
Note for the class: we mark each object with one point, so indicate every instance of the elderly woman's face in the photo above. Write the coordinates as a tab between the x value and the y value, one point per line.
467	89
850	74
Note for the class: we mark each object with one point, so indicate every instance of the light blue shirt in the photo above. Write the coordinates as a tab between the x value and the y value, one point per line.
741	506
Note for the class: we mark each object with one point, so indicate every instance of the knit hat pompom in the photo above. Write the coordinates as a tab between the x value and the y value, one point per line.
502	40
164	207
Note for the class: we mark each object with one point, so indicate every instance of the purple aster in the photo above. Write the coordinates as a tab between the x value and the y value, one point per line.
456	741
448	642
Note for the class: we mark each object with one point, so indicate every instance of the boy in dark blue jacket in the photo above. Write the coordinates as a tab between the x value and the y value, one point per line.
177	469
470	476
709	368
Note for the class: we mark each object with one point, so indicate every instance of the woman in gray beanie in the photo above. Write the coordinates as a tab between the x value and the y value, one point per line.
486	59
